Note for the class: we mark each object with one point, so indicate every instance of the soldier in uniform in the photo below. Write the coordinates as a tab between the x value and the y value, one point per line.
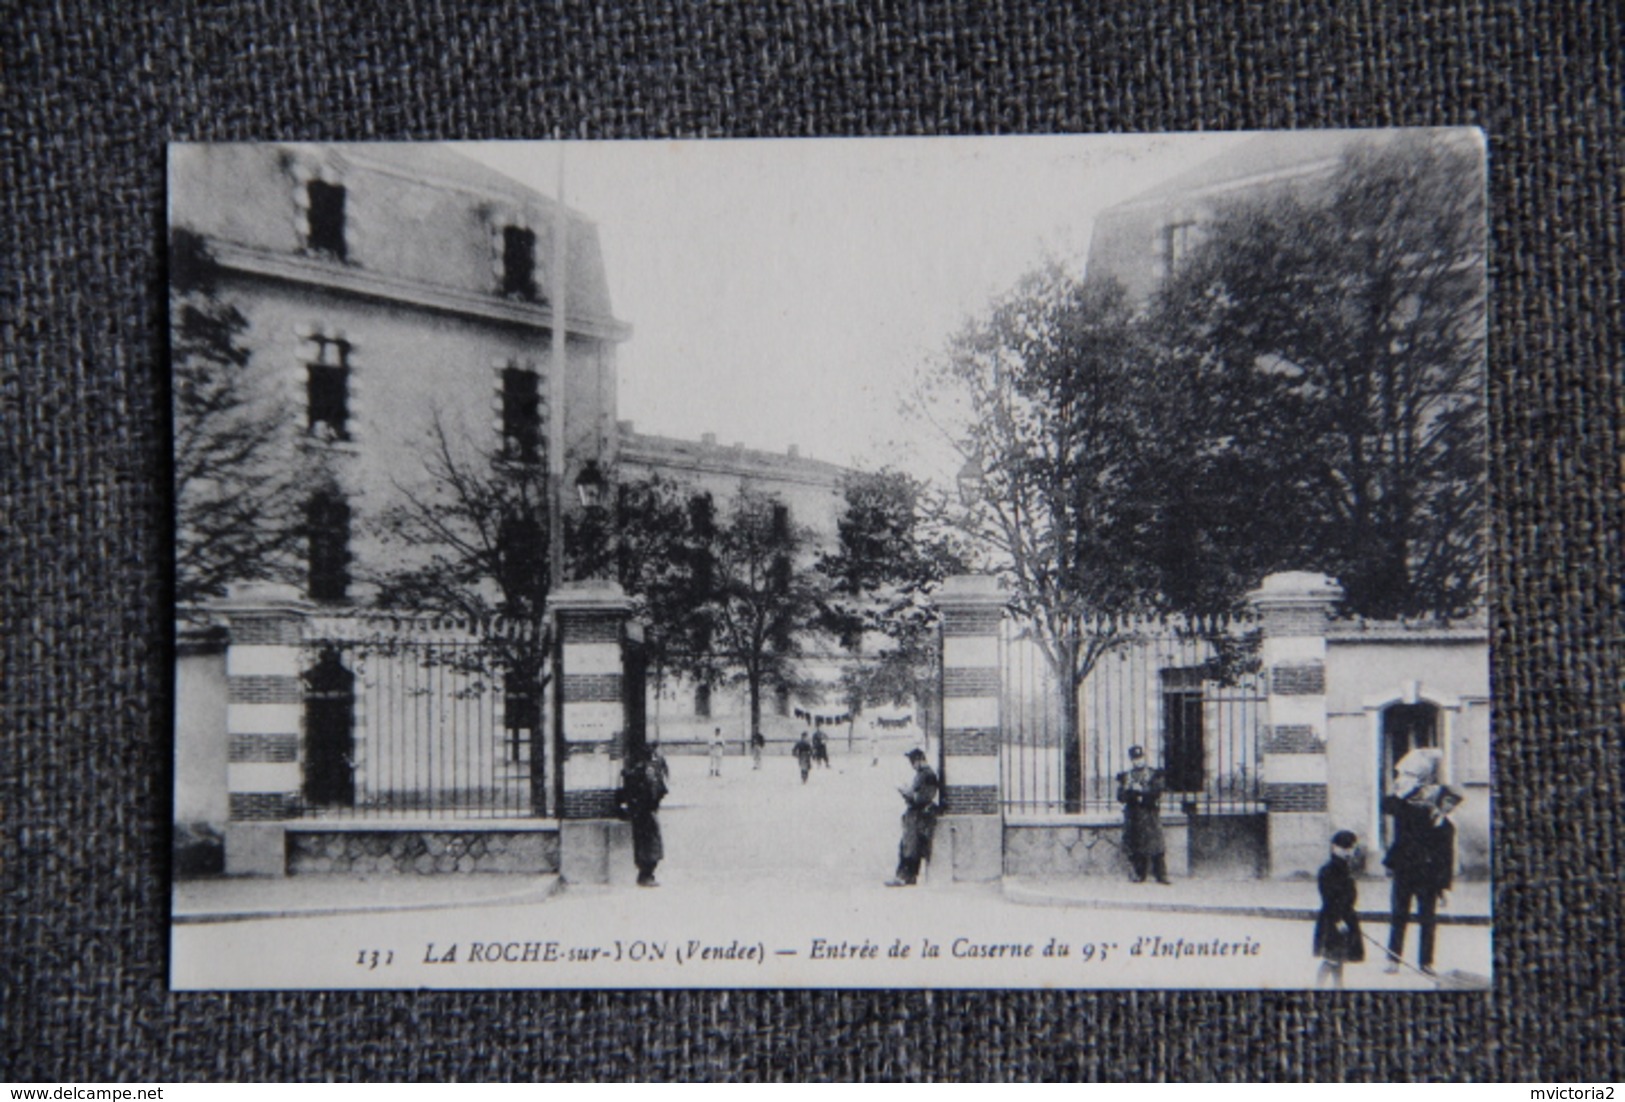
919	820
643	786
1139	790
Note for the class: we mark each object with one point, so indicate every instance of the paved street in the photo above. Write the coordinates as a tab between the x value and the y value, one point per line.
769	882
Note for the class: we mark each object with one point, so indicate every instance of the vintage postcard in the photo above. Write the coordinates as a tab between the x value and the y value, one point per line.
947	563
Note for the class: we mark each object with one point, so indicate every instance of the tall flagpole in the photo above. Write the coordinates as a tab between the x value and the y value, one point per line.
555	397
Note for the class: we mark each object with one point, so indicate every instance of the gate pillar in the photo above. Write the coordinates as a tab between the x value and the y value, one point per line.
972	609
589	722
264	719
1293	609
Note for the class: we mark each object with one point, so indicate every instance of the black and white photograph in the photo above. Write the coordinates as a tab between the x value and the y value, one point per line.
946	563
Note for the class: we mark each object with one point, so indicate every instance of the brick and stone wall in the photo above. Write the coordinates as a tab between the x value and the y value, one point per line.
1294	610
972	609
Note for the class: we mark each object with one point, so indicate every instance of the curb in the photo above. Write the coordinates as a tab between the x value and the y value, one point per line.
538	894
1037	897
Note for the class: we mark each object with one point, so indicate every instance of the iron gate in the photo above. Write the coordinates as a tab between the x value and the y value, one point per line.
1190	694
420	721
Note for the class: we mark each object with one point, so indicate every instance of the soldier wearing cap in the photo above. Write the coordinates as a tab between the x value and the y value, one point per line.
919	820
1139	790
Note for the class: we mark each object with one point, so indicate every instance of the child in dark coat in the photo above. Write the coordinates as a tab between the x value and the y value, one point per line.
1337	929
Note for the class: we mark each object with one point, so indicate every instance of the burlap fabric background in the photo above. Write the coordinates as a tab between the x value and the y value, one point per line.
90	100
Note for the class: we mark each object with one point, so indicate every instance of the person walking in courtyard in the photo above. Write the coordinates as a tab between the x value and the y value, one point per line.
642	789
1139	790
718	747
919	820
803	751
820	747
1338	938
874	745
757	745
1422	858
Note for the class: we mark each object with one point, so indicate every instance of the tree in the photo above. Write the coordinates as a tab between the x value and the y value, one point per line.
1048	398
238	497
762	598
657	541
886	562
470	535
1330	342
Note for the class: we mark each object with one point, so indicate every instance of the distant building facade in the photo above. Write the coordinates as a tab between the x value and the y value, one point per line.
811	493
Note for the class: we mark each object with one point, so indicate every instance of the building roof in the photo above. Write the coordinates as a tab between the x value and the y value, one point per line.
1267	157
707	456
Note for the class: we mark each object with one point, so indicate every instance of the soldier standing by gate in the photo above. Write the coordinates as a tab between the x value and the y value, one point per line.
1139	790
919	820
642	788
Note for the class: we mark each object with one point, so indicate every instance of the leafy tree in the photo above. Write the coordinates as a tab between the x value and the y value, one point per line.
763	598
1328	345
1049	399
238	496
657	541
886	561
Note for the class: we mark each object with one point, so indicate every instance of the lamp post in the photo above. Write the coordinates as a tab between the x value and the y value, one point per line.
556	397
971	482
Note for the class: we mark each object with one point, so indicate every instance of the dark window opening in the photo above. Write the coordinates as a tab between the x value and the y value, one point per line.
781	522
702	701
1182	737
781	700
780	634
327	390
520	570
521	711
329	733
519	263
701	515
326	219
1407	727
1178	238
327	520
521	415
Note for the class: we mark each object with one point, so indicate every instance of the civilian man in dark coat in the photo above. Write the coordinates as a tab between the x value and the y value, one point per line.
1422	861
919	820
1140	790
642	788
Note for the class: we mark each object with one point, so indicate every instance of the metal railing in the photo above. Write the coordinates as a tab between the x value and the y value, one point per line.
418	719
1188	693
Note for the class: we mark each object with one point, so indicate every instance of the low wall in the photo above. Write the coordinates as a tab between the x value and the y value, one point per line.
1087	848
420	852
1227	847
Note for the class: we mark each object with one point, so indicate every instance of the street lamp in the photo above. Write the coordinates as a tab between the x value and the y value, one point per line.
590	485
972	484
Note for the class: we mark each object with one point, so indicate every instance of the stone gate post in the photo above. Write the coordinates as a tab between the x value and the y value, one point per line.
1293	609
971	834
264	723
589	716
